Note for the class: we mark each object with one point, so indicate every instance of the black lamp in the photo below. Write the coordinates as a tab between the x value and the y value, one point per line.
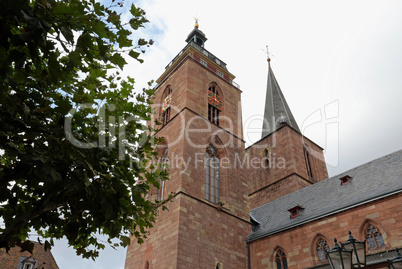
358	250
395	263
340	258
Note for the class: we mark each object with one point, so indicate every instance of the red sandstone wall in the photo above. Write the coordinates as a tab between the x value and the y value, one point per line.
209	235
299	244
288	171
160	249
190	84
195	232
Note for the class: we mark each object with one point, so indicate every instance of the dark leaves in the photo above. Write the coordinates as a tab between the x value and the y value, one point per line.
53	58
67	33
26	246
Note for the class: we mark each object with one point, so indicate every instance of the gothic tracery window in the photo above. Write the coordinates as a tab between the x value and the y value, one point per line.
280	259
212	175
374	237
166	108
163	161
322	248
214	105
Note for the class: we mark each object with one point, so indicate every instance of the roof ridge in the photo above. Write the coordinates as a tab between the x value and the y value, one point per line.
335	176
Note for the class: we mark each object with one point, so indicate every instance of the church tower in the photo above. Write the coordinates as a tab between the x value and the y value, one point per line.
207	221
291	161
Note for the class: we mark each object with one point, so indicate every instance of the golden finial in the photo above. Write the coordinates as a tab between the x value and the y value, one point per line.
196	22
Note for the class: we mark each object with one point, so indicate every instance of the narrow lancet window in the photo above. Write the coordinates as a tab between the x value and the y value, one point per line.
212	175
163	162
307	158
266	159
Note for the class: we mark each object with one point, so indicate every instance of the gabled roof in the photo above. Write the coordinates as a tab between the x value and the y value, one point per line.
371	181
276	110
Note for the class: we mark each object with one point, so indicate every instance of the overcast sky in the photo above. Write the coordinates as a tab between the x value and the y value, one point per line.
338	63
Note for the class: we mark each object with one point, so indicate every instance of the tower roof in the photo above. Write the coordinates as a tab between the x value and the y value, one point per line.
197	36
277	111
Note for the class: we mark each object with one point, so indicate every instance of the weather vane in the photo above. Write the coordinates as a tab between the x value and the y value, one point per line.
268	54
196	22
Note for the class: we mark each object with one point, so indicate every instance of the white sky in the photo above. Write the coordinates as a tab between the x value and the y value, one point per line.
343	58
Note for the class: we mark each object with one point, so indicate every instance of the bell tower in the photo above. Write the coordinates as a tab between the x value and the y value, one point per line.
207	222
290	161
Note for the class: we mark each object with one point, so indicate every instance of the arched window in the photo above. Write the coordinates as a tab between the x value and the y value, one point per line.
306	151
166	106
214	104
322	247
212	175
373	237
219	266
146	265
280	259
163	161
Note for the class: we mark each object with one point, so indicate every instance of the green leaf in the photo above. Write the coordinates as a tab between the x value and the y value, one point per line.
100	29
67	33
55	175
52	184
125	240
134	54
75	58
118	60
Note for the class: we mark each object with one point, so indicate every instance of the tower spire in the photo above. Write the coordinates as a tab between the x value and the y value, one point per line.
277	111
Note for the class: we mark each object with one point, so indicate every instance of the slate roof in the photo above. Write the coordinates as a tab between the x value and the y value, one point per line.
276	107
371	181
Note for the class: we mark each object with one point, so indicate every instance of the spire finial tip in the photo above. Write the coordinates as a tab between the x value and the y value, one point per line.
268	58
196	22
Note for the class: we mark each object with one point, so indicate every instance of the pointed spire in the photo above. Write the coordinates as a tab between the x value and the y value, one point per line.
277	111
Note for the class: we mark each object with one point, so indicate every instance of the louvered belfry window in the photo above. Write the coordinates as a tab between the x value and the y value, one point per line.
166	109
212	174
213	110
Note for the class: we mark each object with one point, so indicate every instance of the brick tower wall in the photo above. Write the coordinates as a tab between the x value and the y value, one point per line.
190	82
160	250
209	235
196	232
287	172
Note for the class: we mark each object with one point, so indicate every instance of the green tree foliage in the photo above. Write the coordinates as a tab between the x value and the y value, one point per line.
74	149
